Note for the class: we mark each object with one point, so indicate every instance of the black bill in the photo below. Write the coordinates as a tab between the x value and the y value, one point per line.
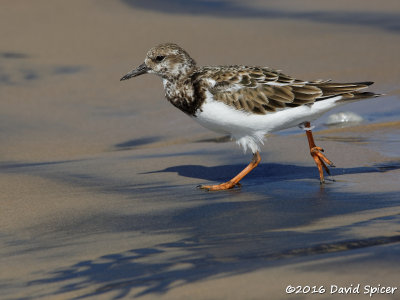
142	69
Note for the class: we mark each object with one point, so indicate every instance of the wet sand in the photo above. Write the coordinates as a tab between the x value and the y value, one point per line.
98	177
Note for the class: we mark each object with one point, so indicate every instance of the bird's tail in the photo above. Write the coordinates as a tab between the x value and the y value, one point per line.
358	96
348	91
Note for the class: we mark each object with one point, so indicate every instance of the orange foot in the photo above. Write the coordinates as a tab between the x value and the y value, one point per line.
220	187
235	180
316	153
321	161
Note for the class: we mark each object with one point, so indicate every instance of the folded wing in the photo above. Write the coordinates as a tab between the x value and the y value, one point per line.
263	90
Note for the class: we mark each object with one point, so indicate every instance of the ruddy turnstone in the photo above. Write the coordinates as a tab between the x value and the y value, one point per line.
246	102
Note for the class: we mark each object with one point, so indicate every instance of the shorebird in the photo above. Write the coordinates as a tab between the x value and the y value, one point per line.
246	102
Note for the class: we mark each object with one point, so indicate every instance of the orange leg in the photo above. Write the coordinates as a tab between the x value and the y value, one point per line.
320	159
234	181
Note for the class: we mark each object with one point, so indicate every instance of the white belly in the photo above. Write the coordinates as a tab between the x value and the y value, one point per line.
249	129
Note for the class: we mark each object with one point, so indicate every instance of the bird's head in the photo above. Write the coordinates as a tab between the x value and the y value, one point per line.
168	60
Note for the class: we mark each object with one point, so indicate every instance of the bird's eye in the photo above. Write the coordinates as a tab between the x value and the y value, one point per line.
159	58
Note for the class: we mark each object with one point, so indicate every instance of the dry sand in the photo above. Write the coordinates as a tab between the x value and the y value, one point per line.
98	177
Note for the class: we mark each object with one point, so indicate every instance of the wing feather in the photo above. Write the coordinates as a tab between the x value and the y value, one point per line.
262	90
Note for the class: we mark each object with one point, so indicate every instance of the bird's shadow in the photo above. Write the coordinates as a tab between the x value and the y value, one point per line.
270	172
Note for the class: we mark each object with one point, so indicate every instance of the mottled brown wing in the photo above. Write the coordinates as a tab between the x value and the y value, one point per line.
261	90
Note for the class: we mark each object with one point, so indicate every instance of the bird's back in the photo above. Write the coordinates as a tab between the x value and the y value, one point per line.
261	90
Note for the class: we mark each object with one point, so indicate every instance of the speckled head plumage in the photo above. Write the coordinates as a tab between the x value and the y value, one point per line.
166	60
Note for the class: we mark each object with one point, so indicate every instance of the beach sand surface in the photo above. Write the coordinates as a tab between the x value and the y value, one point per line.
98	177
